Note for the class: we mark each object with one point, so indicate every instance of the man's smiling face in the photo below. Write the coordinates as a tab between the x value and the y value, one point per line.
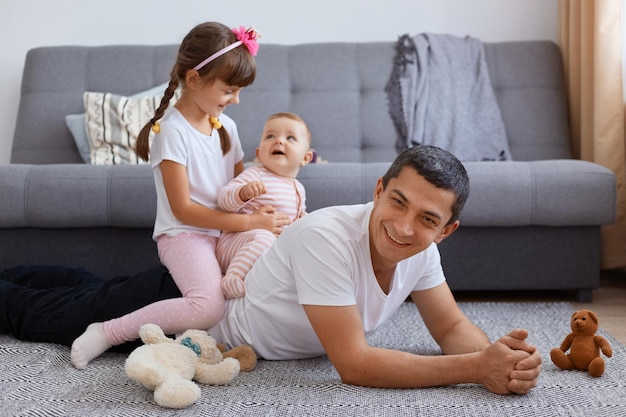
408	216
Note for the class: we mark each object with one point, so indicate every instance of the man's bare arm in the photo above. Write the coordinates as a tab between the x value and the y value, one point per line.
447	324
341	334
456	334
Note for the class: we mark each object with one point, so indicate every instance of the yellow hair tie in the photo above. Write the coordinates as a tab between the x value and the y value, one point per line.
215	122
156	128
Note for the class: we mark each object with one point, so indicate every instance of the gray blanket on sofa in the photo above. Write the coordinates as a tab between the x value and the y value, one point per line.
439	93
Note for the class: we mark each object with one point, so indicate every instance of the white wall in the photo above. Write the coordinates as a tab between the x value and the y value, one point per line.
25	24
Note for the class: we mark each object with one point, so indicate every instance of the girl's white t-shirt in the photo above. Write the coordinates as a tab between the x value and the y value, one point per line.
208	170
321	259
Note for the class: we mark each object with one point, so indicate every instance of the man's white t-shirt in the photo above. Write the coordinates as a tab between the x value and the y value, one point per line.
208	170
321	259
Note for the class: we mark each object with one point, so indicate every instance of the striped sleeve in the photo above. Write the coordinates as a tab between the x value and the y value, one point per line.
228	196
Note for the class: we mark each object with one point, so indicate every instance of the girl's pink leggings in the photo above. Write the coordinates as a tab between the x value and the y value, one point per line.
190	258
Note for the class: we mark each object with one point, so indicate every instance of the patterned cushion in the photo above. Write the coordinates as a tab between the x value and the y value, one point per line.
76	123
113	123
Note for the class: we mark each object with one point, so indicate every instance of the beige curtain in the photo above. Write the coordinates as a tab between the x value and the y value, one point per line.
591	42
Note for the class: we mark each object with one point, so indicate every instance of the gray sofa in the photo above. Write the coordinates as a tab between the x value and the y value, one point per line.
529	224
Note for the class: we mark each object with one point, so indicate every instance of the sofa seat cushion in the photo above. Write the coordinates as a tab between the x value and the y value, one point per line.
538	193
515	193
78	195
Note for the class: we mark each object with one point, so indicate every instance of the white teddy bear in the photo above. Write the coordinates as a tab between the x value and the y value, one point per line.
169	366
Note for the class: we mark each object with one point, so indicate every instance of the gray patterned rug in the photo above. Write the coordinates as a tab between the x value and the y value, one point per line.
37	379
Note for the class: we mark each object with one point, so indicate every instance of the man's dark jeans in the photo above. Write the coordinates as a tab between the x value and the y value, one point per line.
56	304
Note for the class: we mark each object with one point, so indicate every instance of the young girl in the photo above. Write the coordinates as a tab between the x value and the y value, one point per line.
195	152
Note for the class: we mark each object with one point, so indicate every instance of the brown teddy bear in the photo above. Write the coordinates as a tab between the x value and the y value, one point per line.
243	353
169	366
584	345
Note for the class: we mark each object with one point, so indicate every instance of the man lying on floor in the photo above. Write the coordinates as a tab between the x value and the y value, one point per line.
330	280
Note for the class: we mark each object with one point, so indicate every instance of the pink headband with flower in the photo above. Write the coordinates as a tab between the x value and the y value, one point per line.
246	37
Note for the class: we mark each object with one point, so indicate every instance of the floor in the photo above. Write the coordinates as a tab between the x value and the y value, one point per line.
608	302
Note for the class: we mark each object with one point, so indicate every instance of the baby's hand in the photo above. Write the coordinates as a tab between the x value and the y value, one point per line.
251	190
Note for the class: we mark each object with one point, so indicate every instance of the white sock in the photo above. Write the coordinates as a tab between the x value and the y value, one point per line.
89	345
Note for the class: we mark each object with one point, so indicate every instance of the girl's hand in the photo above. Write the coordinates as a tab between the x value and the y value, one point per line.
267	218
251	190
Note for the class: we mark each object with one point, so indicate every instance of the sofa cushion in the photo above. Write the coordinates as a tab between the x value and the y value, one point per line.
539	193
76	123
77	195
113	123
527	78
503	194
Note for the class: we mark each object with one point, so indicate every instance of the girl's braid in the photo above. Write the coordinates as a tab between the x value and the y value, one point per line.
142	146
